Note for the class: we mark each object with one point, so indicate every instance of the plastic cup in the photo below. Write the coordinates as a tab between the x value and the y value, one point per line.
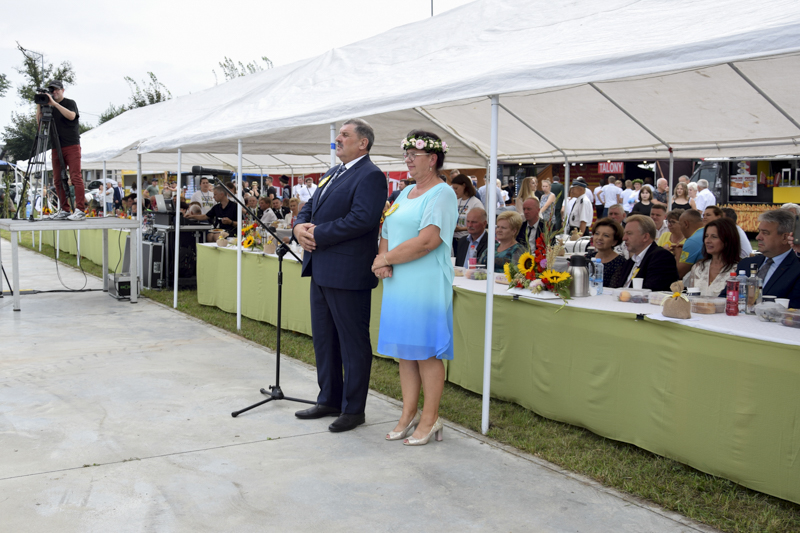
636	283
783	302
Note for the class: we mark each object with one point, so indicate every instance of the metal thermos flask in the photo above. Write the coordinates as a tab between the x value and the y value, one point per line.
579	288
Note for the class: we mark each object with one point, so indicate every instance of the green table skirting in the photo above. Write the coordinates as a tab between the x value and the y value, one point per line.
91	244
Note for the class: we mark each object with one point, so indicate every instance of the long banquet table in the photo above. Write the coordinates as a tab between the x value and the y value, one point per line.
721	394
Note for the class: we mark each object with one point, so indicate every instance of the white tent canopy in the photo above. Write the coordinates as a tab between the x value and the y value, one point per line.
620	78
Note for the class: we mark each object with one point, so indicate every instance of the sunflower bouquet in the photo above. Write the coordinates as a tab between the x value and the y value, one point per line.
250	236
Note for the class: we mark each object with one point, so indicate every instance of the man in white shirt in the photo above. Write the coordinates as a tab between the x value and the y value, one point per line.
204	197
629	196
612	195
598	200
484	196
705	197
579	211
304	191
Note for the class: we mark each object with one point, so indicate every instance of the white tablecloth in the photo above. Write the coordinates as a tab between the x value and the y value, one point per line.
743	325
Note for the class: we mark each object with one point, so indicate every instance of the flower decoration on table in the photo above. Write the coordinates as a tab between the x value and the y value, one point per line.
250	236
535	271
424	143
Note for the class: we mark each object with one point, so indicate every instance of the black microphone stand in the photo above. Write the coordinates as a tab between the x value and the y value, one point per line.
274	392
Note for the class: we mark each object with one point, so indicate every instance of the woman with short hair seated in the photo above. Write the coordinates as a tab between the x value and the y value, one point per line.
721	246
506	249
606	234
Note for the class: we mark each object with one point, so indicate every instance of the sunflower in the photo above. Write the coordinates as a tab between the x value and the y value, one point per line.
507	270
248	242
526	263
560	276
549	274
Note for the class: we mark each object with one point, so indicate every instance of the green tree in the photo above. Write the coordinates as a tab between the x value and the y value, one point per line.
20	135
4	84
150	92
39	74
232	69
111	112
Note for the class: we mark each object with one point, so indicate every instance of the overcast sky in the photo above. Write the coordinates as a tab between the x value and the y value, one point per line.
182	42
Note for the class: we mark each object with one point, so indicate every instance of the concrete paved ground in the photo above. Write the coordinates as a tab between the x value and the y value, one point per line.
116	417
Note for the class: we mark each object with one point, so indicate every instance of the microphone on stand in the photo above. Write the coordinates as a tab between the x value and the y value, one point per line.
199	171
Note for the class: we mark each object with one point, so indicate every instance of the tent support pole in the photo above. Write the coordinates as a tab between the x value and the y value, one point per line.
333	148
239	241
764	95
491	205
105	186
565	194
671	179
139	209
177	235
458	137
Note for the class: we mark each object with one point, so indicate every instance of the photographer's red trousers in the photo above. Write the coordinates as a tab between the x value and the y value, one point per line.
72	158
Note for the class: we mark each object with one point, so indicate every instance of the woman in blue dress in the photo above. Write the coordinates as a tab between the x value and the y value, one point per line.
414	263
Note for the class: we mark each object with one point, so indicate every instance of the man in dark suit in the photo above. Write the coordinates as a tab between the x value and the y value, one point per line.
647	259
338	229
474	244
778	266
533	226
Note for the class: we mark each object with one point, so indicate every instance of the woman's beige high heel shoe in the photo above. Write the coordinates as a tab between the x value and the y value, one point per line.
437	429
398	435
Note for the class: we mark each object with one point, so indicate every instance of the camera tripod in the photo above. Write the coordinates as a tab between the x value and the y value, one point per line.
46	134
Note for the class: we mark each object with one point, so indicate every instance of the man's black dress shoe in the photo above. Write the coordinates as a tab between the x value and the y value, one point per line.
346	422
318	411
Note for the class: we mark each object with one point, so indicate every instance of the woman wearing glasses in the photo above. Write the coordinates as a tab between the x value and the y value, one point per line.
414	262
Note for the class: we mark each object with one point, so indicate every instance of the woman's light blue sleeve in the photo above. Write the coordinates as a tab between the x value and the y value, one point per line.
441	211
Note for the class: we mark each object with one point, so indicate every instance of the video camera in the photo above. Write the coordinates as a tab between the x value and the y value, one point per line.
40	98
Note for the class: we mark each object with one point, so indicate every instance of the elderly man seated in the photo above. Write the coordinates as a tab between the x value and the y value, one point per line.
655	265
533	225
778	266
473	245
617	213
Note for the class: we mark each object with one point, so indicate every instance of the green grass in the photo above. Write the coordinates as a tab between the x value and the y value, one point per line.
711	500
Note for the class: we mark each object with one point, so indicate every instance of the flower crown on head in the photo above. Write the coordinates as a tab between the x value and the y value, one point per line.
425	143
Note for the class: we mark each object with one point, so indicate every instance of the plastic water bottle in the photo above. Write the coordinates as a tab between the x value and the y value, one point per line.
596	278
732	296
742	278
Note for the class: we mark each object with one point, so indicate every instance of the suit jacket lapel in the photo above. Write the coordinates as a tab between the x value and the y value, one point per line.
784	266
338	181
320	190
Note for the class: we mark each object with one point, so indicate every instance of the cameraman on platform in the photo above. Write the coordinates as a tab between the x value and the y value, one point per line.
65	119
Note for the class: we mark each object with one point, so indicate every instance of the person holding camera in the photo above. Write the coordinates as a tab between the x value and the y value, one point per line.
65	119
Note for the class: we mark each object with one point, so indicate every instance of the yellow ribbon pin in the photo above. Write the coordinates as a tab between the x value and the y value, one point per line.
324	181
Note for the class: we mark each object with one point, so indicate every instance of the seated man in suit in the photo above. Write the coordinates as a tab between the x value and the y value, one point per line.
778	266
533	225
474	244
647	260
